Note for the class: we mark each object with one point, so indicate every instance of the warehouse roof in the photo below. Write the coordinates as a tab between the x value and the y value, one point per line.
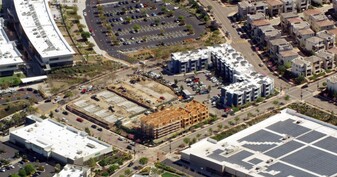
60	139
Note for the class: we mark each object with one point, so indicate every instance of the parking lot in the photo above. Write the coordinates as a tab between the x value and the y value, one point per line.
23	93
140	25
8	153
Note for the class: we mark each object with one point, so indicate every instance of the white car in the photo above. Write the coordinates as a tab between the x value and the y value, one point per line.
85	13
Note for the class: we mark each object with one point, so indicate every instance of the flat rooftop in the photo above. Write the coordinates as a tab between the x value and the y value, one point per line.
60	139
9	54
39	26
286	144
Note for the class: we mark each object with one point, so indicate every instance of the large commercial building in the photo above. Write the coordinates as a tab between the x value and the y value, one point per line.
168	121
10	57
65	144
286	144
39	34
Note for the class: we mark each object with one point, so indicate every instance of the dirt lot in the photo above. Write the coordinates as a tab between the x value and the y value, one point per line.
146	91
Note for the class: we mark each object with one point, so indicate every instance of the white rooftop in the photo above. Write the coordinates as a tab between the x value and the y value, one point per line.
39	26
61	139
72	171
9	54
191	55
286	144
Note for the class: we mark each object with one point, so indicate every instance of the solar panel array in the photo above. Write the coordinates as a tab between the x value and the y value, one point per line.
296	151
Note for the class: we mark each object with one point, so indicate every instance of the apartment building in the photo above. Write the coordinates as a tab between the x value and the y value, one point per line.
327	58
10	57
303	35
245	8
263	34
247	91
289	5
302	5
256	19
282	50
174	119
316	64
317	20
328	39
301	67
332	84
284	19
275	7
314	44
333	32
39	34
312	15
297	24
185	62
255	25
323	25
334	53
286	56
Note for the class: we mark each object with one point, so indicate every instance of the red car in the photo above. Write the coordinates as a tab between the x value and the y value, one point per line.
79	119
83	91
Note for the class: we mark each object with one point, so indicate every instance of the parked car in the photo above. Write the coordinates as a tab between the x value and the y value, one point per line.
79	119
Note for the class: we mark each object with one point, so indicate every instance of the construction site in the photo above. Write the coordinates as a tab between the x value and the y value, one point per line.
144	91
105	108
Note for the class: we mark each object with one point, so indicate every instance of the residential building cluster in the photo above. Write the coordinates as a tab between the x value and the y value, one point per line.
286	144
174	119
246	84
313	33
52	139
39	34
10	57
271	7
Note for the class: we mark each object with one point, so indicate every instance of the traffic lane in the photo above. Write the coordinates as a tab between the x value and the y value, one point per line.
104	134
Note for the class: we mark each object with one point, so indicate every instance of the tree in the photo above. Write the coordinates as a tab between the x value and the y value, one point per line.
287	97
198	135
57	168
143	160
51	114
136	27
14	175
287	64
22	173
220	127
175	81
127	172
300	79
91	162
112	169
30	169
91	45
209	8
186	140
275	102
210	130
237	119
85	35
87	130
